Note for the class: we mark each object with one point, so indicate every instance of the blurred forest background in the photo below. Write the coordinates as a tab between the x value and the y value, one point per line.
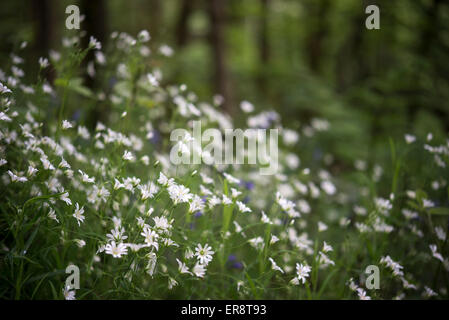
302	58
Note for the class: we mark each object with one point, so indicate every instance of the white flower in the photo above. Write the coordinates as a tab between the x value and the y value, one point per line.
328	187
326	247
428	293
16	178
152	80
166	50
242	207
85	178
4	89
196	204
161	223
188	254
94	43
257	243
302	272
230	178
440	233
4	117
163	180
204	254
409	138
43	62
117	234
273	239
274	266
144	36
68	294
83	132
80	243
66	124
182	267
435	253
51	214
235	193
65	197
199	270
321	226
172	283
265	218
246	106
78	214
179	193
226	200
47	164
116	250
151	266
362	294
148	191
128	156
150	238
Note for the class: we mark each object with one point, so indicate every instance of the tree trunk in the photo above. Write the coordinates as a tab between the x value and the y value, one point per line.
42	11
95	24
216	38
264	48
182	30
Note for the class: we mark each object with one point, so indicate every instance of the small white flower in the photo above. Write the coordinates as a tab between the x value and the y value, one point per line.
246	106
43	62
78	214
144	36
441	234
65	197
16	178
274	266
242	207
116	250
85	178
182	267
204	254
94	43
322	226
230	178
66	124
80	243
68	294
409	138
196	204
52	215
150	238
172	283
362	294
326	247
199	270
302	272
435	253
128	156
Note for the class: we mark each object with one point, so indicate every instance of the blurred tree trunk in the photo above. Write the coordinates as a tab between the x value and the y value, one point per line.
182	30
42	11
351	67
217	43
156	15
95	24
429	45
319	12
264	48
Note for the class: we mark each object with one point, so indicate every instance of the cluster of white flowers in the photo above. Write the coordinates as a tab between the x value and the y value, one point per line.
99	188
